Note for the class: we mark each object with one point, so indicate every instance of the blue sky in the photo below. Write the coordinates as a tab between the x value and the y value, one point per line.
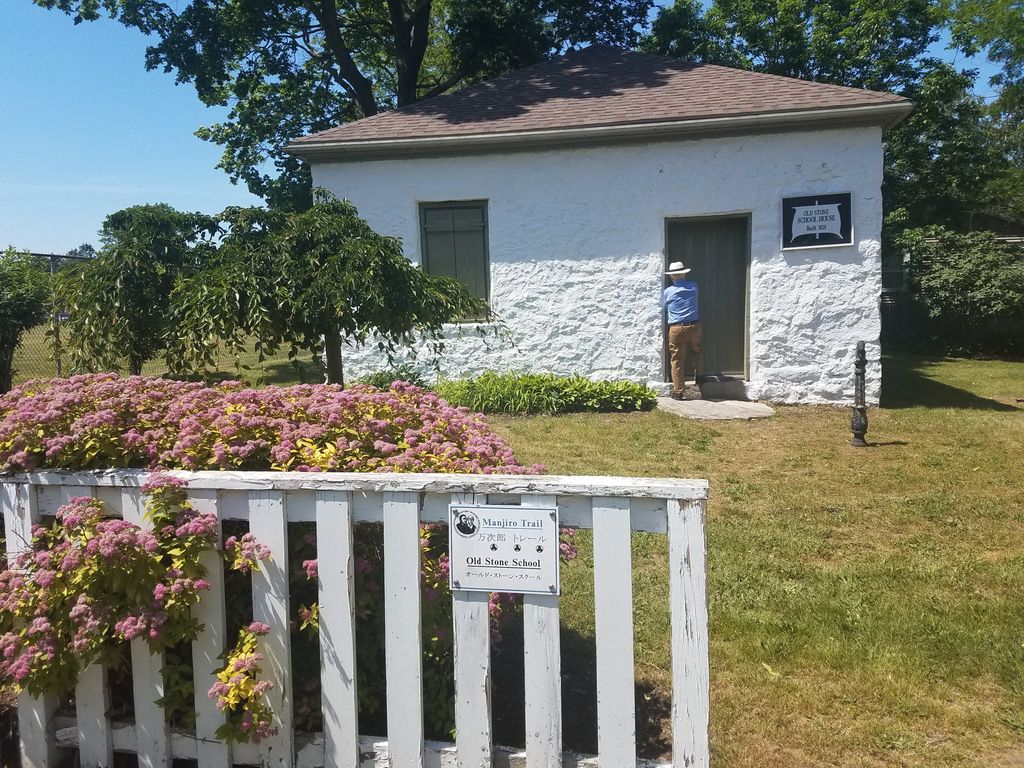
87	131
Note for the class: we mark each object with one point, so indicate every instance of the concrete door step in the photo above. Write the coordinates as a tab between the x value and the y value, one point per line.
711	410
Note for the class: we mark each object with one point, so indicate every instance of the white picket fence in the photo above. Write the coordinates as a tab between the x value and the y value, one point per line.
612	507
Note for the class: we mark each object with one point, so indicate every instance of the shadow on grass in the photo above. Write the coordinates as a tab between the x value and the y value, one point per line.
905	385
284	373
579	697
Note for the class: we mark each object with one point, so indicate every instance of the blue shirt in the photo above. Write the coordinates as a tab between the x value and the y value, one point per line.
680	299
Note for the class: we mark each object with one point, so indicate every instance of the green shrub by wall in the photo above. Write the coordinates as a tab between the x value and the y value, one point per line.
543	393
969	288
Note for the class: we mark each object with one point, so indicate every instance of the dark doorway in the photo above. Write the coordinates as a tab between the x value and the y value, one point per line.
718	250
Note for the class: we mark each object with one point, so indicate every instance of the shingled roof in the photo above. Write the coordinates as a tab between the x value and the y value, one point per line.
601	93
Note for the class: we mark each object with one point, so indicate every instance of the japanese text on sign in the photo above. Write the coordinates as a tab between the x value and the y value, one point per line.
503	549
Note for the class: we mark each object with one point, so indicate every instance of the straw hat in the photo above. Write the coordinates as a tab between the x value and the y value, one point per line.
676	268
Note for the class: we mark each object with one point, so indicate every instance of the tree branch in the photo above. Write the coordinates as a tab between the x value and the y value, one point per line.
360	86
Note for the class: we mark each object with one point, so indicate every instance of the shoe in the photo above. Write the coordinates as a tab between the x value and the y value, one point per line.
677	395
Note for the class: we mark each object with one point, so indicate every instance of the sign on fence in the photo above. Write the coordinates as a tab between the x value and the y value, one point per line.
510	549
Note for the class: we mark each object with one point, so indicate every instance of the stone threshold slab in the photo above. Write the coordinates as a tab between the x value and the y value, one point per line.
714	410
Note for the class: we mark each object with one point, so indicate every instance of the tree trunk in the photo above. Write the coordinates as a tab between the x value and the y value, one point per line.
6	367
135	365
332	357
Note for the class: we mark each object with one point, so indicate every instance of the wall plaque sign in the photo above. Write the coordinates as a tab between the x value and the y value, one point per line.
495	548
817	221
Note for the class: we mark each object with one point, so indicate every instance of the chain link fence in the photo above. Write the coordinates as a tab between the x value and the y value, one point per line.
39	355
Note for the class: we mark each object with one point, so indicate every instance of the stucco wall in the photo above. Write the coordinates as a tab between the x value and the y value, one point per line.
576	240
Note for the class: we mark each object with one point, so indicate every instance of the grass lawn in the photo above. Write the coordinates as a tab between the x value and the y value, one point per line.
33	359
867	605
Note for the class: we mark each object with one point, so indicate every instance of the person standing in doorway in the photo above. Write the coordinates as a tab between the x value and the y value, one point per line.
684	331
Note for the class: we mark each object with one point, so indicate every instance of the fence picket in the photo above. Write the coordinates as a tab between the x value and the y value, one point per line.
153	748
38	748
403	625
688	597
92	693
269	524
337	629
92	704
210	644
471	621
542	658
613	632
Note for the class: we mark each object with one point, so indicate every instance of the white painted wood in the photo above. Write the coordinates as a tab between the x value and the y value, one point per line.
613	632
337	628
310	747
233	504
18	505
403	629
379	482
472	632
92	703
542	658
92	692
268	523
209	645
690	665
153	748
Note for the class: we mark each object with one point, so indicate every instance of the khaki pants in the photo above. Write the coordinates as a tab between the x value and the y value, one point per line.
682	337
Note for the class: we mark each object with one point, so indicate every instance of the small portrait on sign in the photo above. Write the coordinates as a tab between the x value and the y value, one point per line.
465	522
817	221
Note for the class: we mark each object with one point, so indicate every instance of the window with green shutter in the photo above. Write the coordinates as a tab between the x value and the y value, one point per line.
455	243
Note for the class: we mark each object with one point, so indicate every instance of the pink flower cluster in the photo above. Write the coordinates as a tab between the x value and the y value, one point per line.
88	582
246	553
103	420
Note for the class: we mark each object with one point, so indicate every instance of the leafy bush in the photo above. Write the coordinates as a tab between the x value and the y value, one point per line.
102	420
970	286
24	295
383	379
545	393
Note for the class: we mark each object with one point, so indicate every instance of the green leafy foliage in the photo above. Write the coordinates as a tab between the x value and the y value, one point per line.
384	378
535	393
859	43
971	287
24	299
941	160
117	302
303	279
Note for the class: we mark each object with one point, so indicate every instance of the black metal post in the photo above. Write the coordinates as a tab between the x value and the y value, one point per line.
859	419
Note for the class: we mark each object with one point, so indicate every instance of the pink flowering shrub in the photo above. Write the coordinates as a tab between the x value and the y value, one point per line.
103	420
240	693
107	421
88	583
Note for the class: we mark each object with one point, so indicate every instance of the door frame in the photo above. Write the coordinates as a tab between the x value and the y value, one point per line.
747	216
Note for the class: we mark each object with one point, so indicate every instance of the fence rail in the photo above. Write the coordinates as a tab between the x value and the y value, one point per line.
612	507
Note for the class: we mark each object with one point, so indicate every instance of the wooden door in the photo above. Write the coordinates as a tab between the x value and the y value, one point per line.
718	251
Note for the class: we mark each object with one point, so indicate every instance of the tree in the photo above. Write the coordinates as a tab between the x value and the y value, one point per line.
997	28
970	285
24	300
858	43
941	159
118	302
310	280
290	68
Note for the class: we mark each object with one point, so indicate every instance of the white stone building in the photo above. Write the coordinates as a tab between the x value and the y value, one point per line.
560	192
